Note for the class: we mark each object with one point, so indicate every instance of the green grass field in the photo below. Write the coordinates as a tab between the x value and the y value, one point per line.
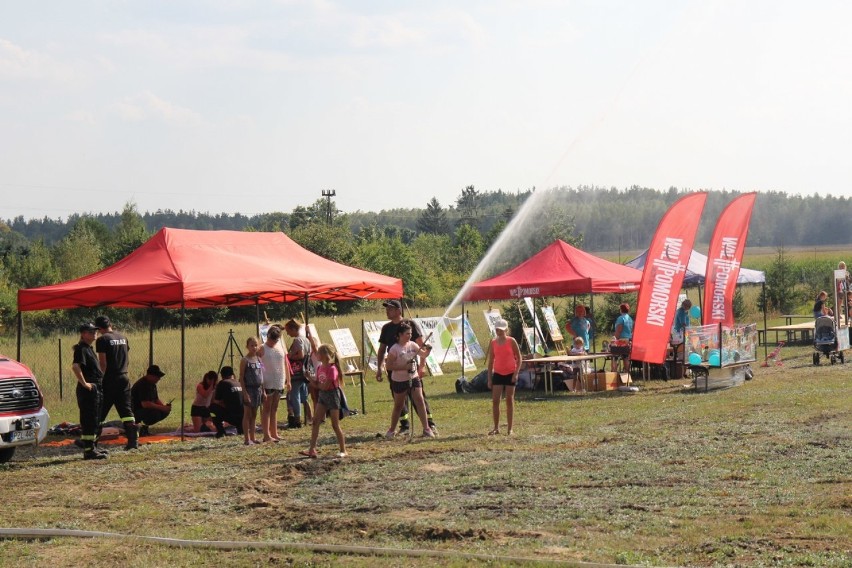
757	475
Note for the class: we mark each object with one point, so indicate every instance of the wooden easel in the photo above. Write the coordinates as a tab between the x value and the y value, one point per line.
555	335
351	365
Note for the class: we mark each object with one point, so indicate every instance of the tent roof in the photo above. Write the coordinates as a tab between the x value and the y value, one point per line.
696	270
213	268
557	270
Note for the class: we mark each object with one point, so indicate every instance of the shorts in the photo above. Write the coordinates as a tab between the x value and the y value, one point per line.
621	349
272	392
502	380
401	387
201	411
330	399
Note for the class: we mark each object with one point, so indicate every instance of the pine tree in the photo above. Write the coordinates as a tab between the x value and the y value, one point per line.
434	219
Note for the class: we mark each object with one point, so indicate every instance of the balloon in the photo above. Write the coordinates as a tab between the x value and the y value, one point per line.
694	359
714	360
695	312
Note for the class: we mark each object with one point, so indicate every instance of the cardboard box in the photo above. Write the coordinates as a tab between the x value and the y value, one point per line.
606	380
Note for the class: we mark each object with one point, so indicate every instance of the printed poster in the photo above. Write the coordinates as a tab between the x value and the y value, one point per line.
372	332
429	326
552	324
471	342
469	365
531	309
491	317
344	343
529	335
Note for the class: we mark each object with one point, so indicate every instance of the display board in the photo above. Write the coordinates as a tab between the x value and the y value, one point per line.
718	346
536	324
529	337
491	317
344	343
552	324
372	332
431	335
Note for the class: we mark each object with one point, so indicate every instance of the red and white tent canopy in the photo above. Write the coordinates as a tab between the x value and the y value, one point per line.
558	270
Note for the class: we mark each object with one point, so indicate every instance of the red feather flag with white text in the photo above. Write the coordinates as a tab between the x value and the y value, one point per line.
662	278
724	259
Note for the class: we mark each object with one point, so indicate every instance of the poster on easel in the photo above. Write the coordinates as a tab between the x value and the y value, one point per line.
529	336
431	336
531	309
552	324
491	317
444	348
471	342
344	343
263	330
372	332
469	364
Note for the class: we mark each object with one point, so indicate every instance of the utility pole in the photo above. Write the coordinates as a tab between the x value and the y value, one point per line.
328	194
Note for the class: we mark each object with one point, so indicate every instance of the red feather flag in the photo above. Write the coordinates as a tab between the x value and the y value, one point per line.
662	277
724	259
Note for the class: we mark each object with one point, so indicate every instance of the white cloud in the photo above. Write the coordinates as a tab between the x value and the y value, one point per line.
148	106
18	63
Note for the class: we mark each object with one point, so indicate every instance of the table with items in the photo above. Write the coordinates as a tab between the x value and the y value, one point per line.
548	364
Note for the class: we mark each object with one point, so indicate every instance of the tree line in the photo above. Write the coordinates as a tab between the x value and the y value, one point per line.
433	249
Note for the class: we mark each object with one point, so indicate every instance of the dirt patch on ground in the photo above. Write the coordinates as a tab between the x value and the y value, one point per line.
438	467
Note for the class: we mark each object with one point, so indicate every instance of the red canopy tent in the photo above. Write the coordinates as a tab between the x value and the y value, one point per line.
193	269
557	270
179	268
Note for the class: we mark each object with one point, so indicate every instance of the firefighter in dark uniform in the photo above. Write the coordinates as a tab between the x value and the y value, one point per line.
113	355
89	391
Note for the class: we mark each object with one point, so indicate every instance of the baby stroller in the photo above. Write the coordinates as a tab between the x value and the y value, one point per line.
825	340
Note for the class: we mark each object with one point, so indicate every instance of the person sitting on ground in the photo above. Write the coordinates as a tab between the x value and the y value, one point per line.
227	405
148	409
200	409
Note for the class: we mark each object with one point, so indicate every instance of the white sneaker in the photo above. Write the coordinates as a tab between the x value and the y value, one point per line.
341	454
428	433
390	434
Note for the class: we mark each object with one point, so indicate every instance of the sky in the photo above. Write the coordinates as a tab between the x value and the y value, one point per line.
226	106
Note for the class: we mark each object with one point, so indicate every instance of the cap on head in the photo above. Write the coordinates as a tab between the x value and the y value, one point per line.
88	326
392	304
501	324
102	322
155	370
